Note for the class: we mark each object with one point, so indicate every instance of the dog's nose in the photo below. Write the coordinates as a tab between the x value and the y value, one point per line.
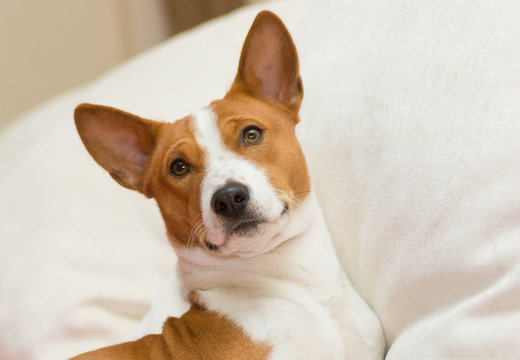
231	200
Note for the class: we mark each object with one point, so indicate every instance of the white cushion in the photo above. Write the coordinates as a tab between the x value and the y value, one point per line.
411	127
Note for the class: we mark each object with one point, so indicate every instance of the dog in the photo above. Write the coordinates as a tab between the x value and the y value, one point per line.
255	258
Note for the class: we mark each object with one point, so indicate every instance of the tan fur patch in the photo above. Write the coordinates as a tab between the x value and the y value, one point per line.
178	198
198	334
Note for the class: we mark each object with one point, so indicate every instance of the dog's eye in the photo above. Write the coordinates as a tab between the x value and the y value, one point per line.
252	135
179	168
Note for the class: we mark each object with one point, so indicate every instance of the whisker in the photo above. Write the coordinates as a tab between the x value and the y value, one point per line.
303	192
284	196
200	231
195	231
203	234
196	220
193	237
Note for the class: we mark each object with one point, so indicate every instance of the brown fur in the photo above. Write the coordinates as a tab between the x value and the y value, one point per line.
198	334
178	199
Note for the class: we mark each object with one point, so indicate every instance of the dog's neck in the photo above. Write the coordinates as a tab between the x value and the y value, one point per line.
304	257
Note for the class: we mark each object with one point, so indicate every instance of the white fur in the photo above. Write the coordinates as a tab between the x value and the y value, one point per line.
223	166
296	297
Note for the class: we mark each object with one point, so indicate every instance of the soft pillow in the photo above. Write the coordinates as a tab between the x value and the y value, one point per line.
82	257
411	126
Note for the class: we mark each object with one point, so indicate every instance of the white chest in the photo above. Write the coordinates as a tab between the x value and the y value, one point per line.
295	324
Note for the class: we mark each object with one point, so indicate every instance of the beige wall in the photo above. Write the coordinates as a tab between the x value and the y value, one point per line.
48	46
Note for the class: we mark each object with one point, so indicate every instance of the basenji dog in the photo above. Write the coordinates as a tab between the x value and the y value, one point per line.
255	257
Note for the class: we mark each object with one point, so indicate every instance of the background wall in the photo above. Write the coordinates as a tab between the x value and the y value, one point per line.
52	45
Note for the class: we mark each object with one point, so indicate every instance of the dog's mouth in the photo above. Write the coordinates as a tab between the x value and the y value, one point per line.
211	246
241	228
285	209
248	225
245	227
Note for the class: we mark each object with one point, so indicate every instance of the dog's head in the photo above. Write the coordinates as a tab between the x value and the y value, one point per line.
227	177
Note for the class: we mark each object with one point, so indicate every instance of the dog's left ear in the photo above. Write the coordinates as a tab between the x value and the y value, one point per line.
268	67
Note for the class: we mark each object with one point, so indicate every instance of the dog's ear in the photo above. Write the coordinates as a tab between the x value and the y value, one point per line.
268	67
120	142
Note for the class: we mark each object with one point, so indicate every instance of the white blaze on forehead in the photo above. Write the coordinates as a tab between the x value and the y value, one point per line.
207	133
223	166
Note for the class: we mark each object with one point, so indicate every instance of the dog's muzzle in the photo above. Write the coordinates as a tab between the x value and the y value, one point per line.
230	203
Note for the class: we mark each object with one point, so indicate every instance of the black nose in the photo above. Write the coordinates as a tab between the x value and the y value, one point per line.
231	200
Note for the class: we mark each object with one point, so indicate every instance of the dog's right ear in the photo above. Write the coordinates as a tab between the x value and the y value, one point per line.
120	142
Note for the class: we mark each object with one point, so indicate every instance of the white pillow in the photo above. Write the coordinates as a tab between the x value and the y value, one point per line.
411	126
